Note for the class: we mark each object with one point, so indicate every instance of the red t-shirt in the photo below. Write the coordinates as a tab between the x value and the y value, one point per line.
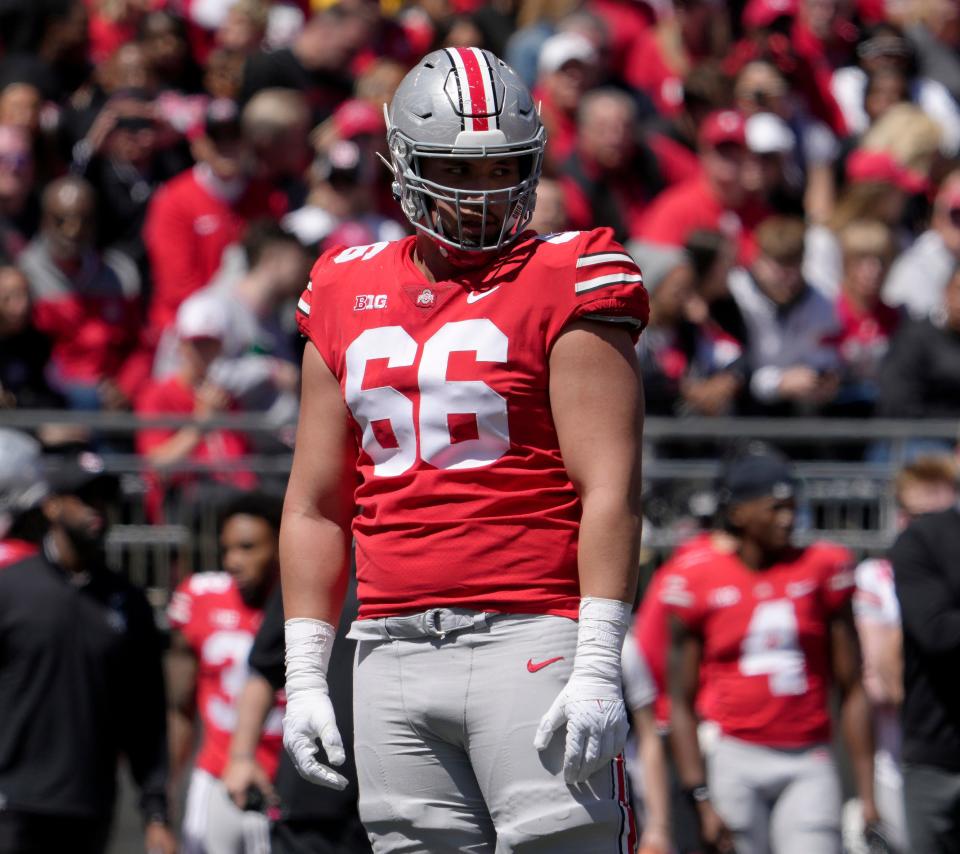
766	640
462	496
220	627
186	231
171	396
684	208
864	336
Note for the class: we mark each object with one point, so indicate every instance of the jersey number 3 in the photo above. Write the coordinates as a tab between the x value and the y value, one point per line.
771	648
429	434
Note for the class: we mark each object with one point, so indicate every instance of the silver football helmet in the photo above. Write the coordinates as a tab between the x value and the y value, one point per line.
464	103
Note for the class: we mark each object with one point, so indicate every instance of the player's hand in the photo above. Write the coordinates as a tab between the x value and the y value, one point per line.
159	839
591	703
308	717
241	773
714	834
799	383
210	400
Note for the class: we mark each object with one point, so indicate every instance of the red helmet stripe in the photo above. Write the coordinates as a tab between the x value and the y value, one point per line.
475	86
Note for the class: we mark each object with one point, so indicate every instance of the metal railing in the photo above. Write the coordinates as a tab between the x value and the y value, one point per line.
847	491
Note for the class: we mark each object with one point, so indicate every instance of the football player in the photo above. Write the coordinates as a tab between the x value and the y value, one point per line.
214	617
471	417
767	629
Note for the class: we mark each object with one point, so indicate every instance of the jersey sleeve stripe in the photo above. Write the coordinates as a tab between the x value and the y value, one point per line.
605	281
304	306
606	258
634	322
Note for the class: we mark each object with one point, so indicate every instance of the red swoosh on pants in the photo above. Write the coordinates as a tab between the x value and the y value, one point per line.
533	668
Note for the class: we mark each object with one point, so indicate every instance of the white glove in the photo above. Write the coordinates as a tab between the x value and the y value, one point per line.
591	704
309	714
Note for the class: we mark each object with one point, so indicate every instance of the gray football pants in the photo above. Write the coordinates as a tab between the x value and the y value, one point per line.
443	736
214	824
776	801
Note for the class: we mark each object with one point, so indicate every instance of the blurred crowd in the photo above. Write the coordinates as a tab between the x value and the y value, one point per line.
784	171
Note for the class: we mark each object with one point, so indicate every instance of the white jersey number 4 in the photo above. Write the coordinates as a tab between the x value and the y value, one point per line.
771	648
429	434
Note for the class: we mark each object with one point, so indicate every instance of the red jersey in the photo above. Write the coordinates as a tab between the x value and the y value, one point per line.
652	628
220	627
765	640
462	496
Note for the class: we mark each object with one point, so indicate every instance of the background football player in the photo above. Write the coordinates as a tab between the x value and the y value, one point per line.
214	617
768	629
471	416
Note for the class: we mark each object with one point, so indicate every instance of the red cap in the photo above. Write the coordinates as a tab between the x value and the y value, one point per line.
356	118
758	14
724	126
864	165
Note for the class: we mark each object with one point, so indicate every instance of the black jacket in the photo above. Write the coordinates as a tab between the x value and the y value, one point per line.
927	576
921	373
81	683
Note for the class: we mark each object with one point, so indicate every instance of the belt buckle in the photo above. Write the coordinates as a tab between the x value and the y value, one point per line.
431	624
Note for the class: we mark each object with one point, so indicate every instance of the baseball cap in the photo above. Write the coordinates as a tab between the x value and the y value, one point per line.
221	120
767	133
756	475
80	473
761	13
200	317
866	165
22	484
562	48
358	118
723	126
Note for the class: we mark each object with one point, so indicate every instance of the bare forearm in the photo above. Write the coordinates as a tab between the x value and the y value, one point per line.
180	736
857	727
685	746
253	706
609	544
179	446
655	792
314	565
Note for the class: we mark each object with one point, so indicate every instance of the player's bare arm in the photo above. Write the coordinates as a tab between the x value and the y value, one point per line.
242	771
597	405
656	798
181	678
686	650
855	719
314	563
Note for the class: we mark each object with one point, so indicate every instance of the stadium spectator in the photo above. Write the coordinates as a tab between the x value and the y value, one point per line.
316	64
123	157
243	26
866	322
201	329
925	573
713	258
878	188
688	368
223	74
276	122
311	818
87	302
919	275
934	29
163	35
214	617
82	664
766	631
567	69
18	204
794	366
257	365
194	217
550	214
921	373
884	48
24	350
612	175
714	200
771	171
927	485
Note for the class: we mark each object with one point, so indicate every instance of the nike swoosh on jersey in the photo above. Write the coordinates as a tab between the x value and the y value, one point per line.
473	296
533	668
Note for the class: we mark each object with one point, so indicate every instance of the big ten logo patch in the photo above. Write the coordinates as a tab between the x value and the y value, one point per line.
367	302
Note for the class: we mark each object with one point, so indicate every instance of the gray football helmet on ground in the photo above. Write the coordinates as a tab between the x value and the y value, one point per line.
464	103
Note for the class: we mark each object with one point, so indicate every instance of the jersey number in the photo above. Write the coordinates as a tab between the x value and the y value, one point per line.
440	398
231	649
771	648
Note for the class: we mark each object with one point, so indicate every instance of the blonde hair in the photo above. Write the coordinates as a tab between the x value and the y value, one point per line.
275	110
867	237
927	470
859	201
907	134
